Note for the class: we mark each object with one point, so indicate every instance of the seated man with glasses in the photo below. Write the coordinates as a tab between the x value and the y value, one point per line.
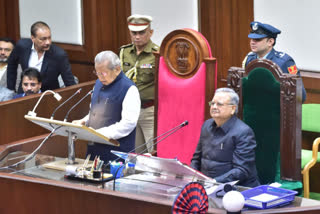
226	149
31	82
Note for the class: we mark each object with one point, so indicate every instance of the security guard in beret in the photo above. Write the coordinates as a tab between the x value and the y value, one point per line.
263	38
138	63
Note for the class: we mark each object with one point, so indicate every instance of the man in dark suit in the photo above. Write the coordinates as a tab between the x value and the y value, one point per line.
226	148
40	53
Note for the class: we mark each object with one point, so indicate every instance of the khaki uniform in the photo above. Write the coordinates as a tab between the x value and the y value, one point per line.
141	70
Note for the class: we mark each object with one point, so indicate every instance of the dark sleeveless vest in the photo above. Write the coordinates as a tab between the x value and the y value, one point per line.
106	108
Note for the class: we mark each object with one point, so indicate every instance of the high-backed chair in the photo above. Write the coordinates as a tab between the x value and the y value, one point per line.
270	103
310	123
185	82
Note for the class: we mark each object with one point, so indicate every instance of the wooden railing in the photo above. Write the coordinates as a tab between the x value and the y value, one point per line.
15	127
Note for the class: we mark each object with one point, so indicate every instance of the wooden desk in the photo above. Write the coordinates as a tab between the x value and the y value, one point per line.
52	193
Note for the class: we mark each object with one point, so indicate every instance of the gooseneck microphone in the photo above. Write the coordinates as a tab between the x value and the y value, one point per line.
55	95
66	117
77	92
163	135
184	123
168	133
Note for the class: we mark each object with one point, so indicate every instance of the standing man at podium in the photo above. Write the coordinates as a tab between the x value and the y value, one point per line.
115	107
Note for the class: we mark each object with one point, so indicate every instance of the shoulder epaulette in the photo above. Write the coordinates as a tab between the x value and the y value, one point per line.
280	54
245	59
250	53
126	46
155	47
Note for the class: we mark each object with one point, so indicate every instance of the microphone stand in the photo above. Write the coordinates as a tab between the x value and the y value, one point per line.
77	92
165	134
66	117
30	156
71	135
152	139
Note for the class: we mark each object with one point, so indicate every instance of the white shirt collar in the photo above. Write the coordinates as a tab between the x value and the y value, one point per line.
34	61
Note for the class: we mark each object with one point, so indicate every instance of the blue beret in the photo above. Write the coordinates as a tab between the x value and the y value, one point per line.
260	30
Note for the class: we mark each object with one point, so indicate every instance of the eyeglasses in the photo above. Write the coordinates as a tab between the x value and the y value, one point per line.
211	103
98	73
6	49
32	84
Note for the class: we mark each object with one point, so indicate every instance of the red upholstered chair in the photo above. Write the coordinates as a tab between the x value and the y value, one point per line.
185	82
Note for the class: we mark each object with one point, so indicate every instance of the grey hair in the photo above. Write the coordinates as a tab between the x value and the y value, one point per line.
109	56
234	98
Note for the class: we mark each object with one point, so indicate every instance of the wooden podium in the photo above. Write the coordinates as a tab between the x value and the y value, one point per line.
73	132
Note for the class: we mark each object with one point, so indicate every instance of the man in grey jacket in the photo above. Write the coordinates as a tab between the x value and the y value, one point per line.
226	149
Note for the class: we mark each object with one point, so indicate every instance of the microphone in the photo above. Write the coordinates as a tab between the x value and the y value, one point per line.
164	135
77	92
185	123
55	95
66	117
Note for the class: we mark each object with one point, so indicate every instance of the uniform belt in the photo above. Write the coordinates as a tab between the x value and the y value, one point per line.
147	103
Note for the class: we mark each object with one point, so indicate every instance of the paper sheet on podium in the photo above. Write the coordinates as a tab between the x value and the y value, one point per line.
64	128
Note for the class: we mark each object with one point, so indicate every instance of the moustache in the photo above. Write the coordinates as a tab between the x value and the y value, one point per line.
29	92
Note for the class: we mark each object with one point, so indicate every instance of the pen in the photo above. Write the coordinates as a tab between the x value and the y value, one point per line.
86	161
93	164
100	165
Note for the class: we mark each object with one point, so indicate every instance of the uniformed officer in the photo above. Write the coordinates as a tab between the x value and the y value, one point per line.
138	63
263	38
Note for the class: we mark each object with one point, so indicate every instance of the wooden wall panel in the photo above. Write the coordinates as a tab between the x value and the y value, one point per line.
103	21
104	28
9	19
311	81
3	29
225	24
83	72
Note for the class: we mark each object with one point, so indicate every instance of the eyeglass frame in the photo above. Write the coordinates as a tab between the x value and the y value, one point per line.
98	73
211	103
33	84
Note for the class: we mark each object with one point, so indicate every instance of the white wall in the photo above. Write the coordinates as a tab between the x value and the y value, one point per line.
299	22
168	15
63	17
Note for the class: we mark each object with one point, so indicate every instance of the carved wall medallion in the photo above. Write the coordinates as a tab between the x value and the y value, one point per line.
182	56
182	49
